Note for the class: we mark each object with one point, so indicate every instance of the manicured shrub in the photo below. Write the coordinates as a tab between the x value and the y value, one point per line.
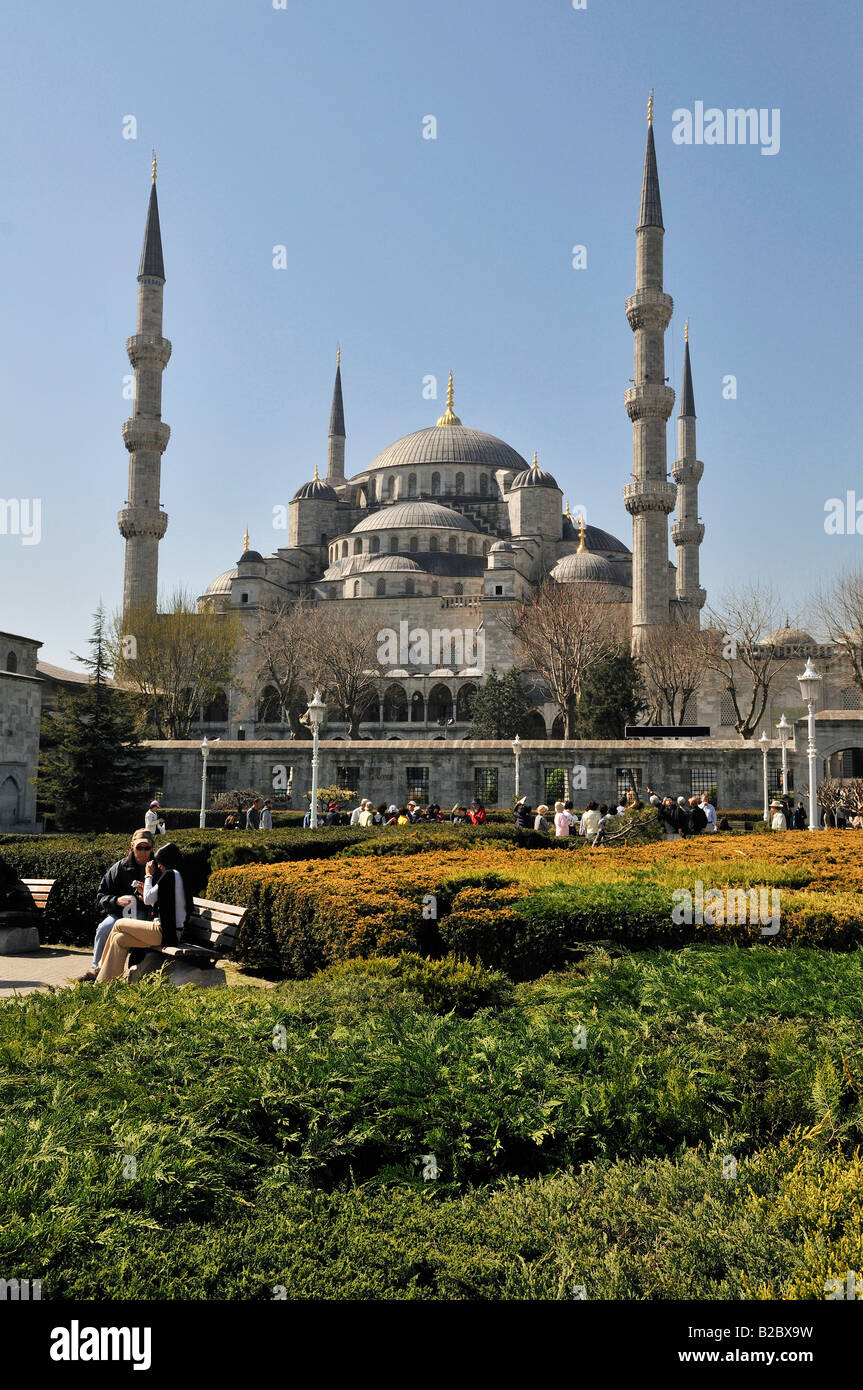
447	986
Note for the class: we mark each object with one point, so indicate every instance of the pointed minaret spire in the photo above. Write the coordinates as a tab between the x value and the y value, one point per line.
142	521
687	531
649	401
152	263
336	440
650	208
687	395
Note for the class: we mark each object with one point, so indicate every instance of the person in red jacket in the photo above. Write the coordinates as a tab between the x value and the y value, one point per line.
476	814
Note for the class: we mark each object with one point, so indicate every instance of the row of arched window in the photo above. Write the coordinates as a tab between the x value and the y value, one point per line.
341	550
394	486
395	707
406	588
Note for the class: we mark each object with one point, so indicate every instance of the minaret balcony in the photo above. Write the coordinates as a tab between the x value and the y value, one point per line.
142	521
649	309
647	495
649	402
148	350
691	534
687	470
149	436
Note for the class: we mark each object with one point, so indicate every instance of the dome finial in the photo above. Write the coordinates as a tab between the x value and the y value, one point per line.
246	539
338	354
316	479
650	108
534	464
568	512
582	531
154	166
448	417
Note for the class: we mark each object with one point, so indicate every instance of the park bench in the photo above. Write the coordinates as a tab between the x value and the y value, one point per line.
210	932
19	935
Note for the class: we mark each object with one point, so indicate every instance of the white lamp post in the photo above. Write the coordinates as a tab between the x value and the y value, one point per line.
205	753
317	709
764	742
784	732
809	684
516	752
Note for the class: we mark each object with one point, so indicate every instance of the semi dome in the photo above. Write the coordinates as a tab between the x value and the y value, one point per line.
414	514
582	567
388	563
450	444
316	490
222	582
594	537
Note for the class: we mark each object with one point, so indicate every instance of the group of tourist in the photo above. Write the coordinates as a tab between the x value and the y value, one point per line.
367	813
259	816
144	905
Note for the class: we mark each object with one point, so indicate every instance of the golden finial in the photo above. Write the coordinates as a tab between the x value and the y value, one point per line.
338	355
448	417
154	166
534	464
316	479
582	531
246	540
650	108
568	512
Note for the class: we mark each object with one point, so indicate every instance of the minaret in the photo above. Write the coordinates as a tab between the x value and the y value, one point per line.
336	441
142	522
649	402
687	531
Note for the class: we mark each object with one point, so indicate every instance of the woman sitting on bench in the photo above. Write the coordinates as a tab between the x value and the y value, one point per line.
168	896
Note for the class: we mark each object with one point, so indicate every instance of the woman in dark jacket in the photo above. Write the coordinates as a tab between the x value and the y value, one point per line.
523	814
168	896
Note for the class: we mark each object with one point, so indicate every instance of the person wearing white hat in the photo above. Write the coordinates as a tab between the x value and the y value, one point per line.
778	822
152	821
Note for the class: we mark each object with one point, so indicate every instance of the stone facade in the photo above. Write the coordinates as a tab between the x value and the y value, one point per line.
20	715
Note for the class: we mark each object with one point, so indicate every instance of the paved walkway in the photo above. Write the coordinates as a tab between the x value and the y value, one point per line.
52	965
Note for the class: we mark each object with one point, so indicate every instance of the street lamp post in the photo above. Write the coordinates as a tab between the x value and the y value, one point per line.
764	742
784	731
516	750
809	684
316	719
205	753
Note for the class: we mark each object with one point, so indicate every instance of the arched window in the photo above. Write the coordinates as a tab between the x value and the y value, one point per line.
395	705
458	589
358	546
412	485
216	711
394	545
10	800
440	704
391	487
414	545
433	543
534	725
11	662
418	708
464	703
374	545
483	485
558	727
452	545
470	547
344	549
409	588
485	547
356	588
269	706
459	484
381	588
435	485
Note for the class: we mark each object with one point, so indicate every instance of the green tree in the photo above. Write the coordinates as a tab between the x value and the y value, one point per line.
611	696
94	767
500	707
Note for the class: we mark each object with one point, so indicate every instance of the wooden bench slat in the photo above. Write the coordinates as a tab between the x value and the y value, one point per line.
222	907
40	890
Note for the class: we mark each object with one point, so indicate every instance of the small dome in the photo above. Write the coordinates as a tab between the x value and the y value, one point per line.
533	477
789	637
582	567
414	514
349	564
222	582
251	557
594	537
317	490
386	563
500	546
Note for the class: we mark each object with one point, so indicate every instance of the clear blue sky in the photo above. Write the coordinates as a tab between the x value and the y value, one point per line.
303	127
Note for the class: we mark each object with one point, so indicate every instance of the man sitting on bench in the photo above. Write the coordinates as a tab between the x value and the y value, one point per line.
119	898
168	896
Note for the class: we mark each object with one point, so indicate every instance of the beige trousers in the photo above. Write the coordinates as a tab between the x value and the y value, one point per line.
124	939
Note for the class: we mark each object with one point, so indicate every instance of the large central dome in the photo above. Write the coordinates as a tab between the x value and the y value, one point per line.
454	444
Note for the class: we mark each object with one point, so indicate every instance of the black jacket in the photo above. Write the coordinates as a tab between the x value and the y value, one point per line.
117	883
166	908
